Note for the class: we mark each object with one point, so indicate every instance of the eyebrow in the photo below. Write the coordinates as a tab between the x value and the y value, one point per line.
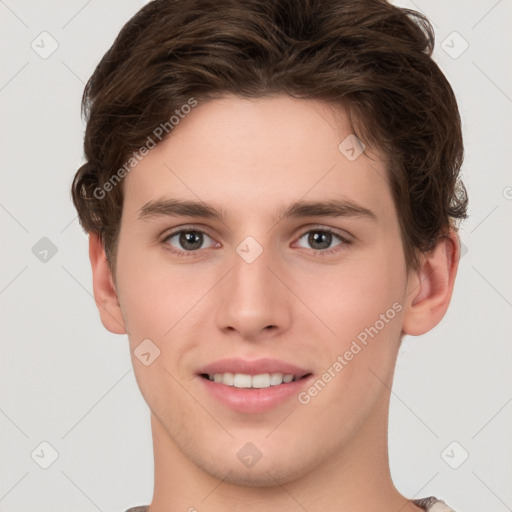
329	208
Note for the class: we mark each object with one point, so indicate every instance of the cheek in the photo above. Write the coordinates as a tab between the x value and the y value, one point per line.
157	302
352	297
362	303
154	296
363	308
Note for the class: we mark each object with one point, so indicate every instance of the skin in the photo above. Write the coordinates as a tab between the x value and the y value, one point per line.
251	158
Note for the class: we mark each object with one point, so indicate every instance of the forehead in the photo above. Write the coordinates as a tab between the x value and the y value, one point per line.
259	154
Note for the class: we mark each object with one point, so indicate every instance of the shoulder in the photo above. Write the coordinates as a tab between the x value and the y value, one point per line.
428	504
432	504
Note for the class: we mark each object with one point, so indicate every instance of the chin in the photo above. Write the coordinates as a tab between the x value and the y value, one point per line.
269	473
253	478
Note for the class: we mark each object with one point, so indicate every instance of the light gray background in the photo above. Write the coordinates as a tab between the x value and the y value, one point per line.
67	381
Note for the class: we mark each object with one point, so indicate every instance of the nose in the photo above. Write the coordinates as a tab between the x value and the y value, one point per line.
253	302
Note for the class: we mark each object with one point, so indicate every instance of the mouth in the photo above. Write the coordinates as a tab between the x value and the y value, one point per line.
247	381
253	386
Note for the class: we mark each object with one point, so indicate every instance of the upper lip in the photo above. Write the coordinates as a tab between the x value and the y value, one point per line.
253	367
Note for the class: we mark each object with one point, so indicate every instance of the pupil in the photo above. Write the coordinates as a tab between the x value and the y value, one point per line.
191	240
321	238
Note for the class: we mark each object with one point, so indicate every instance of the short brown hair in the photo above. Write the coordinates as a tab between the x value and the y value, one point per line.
370	57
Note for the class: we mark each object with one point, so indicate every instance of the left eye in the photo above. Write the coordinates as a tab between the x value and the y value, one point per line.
188	240
320	239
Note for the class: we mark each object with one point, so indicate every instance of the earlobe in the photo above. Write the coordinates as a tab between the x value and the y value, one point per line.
430	287
105	293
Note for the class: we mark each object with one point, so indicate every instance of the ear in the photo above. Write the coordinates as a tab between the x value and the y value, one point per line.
105	293
430	288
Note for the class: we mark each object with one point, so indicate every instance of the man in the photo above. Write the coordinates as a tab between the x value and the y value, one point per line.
271	192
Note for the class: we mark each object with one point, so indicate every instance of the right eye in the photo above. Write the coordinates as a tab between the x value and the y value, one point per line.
186	241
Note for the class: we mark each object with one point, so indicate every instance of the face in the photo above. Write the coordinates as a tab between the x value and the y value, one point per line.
287	266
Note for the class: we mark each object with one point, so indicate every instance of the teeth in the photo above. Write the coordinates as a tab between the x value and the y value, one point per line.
276	378
242	380
261	381
227	378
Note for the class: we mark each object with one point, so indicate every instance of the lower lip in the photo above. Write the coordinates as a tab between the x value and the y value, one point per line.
251	400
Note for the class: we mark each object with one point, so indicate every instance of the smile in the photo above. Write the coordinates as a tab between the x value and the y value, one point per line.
242	380
253	386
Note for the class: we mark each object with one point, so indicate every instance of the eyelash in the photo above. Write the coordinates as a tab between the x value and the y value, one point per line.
322	252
